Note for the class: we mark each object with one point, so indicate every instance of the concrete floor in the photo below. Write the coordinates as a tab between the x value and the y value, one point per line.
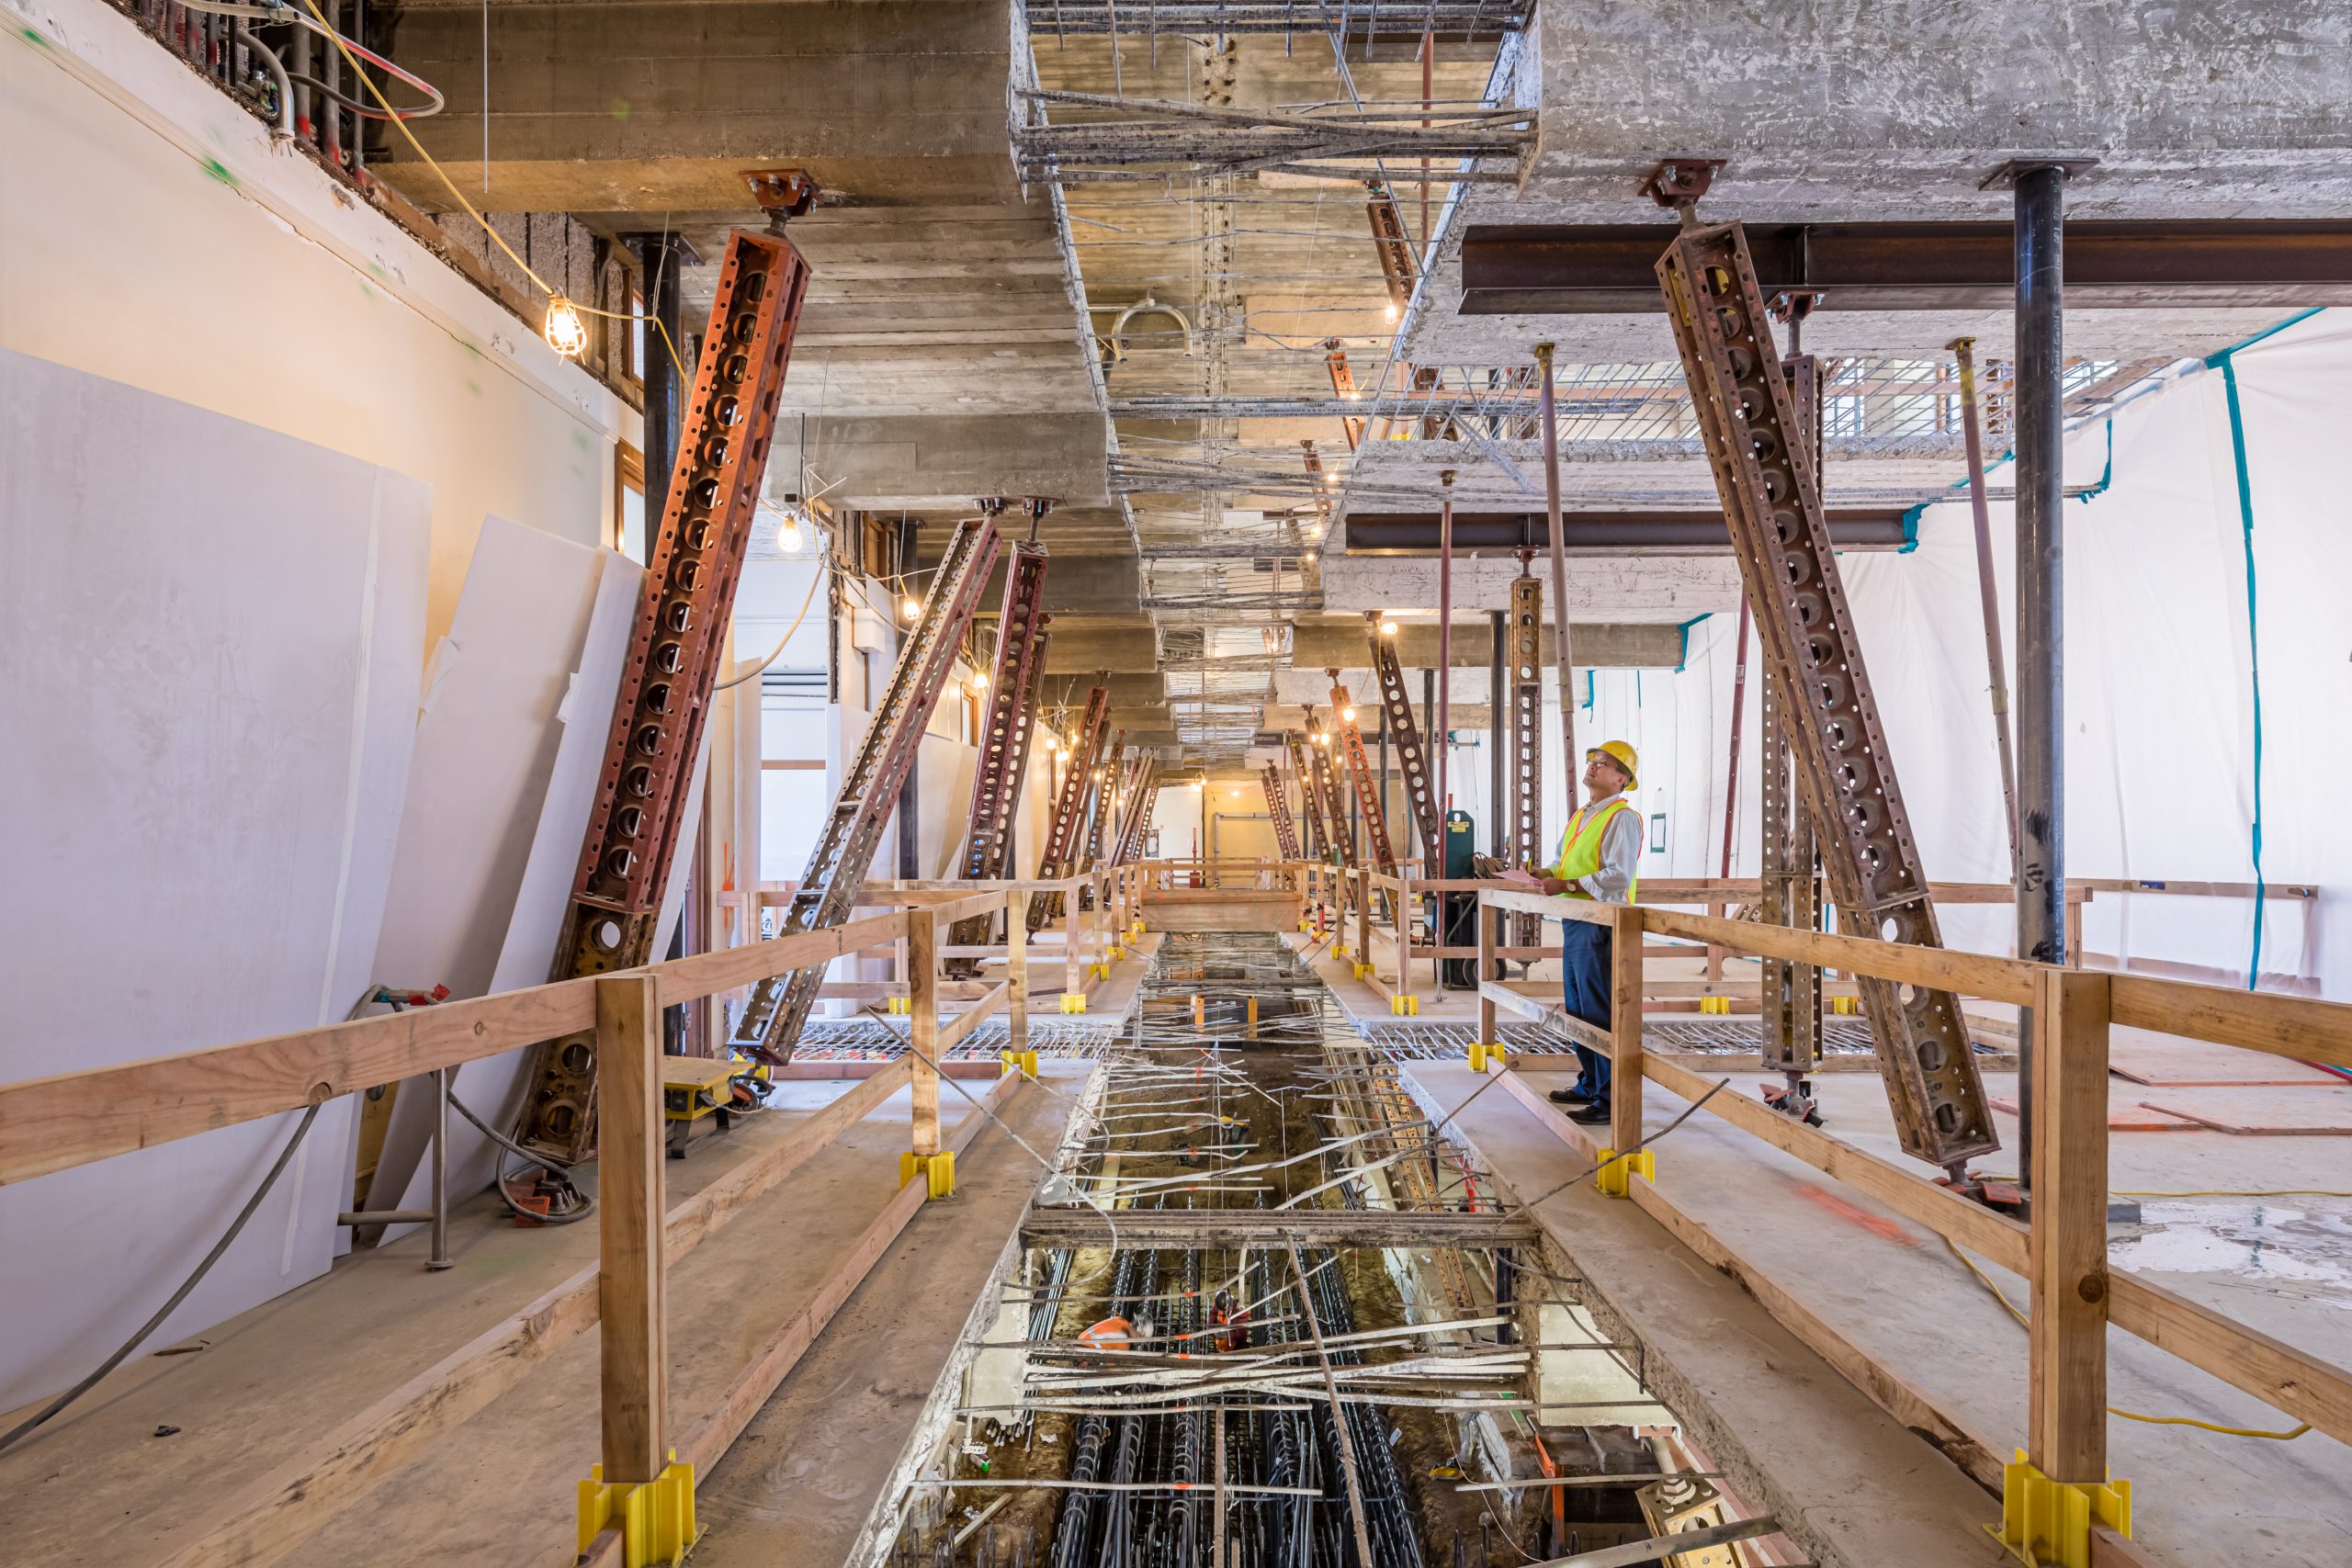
103	1486
2282	1265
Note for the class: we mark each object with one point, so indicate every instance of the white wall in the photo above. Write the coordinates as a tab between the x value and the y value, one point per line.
156	238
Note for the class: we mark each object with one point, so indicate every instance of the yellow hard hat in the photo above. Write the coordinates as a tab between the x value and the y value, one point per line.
1622	755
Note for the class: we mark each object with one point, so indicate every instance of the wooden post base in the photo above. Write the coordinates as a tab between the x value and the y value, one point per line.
2047	1523
655	1518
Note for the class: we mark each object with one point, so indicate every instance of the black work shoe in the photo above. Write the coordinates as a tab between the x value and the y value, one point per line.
1594	1115
1570	1096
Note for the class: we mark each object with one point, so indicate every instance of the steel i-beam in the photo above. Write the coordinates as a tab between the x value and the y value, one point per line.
1772	501
1061	837
635	828
1004	735
1318	843
1524	635
1270	779
1412	760
1375	824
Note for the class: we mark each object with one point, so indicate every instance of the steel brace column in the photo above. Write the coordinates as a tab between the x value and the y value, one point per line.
1792	891
1412	760
1772	503
829	888
1270	779
1061	836
1375	825
1319	846
1138	817
1324	774
637	829
1004	737
1524	635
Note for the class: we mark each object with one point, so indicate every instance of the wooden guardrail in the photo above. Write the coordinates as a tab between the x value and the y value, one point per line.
73	1119
2062	1252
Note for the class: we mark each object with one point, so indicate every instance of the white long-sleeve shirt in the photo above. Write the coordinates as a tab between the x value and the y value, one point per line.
1621	854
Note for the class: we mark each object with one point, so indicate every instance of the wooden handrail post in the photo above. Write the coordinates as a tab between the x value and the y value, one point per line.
922	1025
1625	1028
630	1212
1016	970
1404	933
1070	972
1364	922
1488	919
2066	1434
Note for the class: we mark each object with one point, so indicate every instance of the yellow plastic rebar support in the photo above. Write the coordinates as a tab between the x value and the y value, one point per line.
938	1171
2047	1523
656	1518
1617	1171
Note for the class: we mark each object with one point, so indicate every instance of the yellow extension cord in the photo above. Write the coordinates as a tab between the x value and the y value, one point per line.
499	240
2023	1322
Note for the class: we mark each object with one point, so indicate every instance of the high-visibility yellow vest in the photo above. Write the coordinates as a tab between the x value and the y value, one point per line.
1580	847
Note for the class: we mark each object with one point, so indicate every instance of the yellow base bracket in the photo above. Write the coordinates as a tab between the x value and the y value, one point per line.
1364	971
1404	1006
1846	1004
1617	1171
2047	1523
938	1171
1015	1062
1117	954
656	1518
1100	971
1485	1056
1073	1002
1714	1004
898	1004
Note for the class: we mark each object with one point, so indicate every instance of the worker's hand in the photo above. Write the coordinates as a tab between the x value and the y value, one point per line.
1554	886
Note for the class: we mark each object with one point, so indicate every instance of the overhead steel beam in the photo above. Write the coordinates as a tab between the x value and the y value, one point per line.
1610	268
1683	533
1632	644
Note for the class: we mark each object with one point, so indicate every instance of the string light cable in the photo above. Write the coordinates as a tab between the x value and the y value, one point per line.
563	314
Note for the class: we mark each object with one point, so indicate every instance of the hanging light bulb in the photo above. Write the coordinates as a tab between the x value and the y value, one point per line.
1392	310
1308	557
1197	784
1347	715
787	538
1387	625
911	607
566	333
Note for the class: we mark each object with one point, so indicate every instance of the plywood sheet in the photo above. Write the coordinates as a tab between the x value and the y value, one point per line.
212	635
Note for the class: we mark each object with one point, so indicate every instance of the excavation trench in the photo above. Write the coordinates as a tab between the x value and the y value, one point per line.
1240	1087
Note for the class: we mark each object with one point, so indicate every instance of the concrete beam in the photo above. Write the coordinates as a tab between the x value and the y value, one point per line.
1082	585
1342	644
947	462
1611	588
1081	650
607	106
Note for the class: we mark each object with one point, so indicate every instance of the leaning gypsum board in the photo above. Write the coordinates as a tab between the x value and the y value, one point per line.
1317	845
1375	825
1806	629
1004	734
1790	1001
1412	760
1061	835
869	791
635	829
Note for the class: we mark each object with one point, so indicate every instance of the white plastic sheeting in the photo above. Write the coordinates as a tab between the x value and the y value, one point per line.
2161	639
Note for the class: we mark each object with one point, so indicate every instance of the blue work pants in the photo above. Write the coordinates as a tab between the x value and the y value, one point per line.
1584	984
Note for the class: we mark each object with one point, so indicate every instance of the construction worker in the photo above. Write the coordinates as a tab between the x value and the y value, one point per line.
1235	1322
1600	854
1114	1332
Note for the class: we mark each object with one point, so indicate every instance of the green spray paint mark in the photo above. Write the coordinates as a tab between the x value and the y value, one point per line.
473	386
620	109
34	36
220	171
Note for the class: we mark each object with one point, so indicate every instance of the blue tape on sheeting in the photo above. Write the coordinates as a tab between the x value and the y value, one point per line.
2252	635
1684	662
1588	688
2105	475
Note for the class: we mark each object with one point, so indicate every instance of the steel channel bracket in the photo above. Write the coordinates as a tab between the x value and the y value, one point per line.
1061	836
1138	814
1772	503
635	830
1334	803
1412	760
1791	1037
869	791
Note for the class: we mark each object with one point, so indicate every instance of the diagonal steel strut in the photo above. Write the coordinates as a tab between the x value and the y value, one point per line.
1772	501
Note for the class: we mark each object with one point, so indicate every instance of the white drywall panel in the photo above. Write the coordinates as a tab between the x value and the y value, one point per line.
210	634
488	741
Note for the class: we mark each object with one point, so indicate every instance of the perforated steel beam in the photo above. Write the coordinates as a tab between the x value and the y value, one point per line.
1772	499
1318	843
636	826
1070	803
1412	760
1375	821
1003	761
1791	1003
1270	779
869	791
